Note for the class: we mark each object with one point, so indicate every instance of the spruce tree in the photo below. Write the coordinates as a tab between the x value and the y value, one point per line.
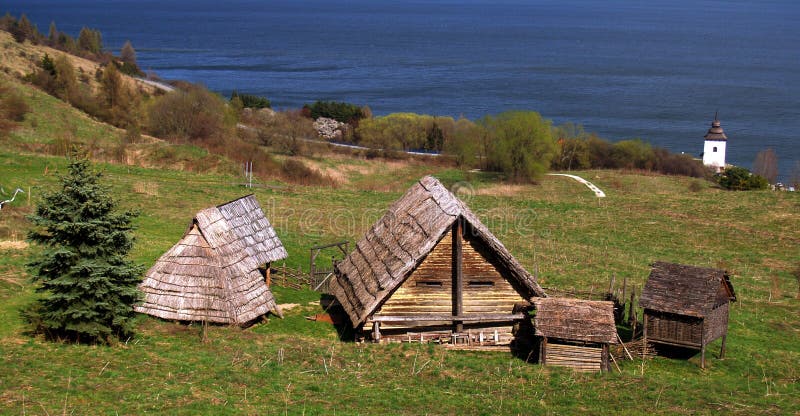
88	285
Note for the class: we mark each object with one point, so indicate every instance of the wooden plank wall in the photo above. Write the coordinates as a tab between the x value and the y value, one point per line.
679	329
578	358
485	289
716	323
429	289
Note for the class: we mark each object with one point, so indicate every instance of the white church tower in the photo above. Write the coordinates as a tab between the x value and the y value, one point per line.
714	148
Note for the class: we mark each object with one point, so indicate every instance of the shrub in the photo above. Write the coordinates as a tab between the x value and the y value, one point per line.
521	144
251	101
741	179
343	112
297	172
194	114
12	105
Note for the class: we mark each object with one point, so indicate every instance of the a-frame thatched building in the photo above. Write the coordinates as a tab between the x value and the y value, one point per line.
430	269
686	306
575	333
213	274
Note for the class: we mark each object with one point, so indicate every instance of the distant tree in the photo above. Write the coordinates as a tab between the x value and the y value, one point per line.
396	131
7	21
465	143
193	114
88	286
118	104
13	109
66	82
794	177
52	35
366	112
127	54
766	165
287	131
633	154
573	150
251	101
339	111
90	40
741	179
522	144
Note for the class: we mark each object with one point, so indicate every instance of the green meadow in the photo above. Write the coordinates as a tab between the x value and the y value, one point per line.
297	366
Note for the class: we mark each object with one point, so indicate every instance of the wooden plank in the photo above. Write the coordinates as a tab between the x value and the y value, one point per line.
449	318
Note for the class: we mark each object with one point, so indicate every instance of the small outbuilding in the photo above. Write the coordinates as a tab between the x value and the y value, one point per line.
218	271
429	270
575	333
686	306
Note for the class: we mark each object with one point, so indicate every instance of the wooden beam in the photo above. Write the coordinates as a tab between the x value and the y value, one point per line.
497	317
458	273
269	275
722	349
543	351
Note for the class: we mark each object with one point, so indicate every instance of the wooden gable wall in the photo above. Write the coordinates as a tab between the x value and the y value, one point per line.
429	289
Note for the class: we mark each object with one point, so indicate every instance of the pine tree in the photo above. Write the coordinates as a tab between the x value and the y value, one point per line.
88	286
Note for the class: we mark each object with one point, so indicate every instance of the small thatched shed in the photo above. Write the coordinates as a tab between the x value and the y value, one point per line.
212	274
575	333
430	269
686	306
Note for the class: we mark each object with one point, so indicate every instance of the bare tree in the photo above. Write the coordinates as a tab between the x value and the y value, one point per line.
127	54
766	165
794	178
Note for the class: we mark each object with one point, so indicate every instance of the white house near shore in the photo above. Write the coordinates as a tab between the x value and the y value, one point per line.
714	148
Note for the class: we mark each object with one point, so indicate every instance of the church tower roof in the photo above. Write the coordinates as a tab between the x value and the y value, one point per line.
715	132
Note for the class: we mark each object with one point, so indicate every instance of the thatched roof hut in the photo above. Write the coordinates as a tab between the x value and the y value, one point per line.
686	306
575	333
212	274
429	260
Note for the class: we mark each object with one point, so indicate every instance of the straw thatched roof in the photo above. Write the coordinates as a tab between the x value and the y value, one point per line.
686	290
212	273
575	320
399	241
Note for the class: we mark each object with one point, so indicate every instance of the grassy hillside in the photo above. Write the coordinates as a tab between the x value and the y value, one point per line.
295	366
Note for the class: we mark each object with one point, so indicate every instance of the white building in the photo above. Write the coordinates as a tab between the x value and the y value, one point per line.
714	148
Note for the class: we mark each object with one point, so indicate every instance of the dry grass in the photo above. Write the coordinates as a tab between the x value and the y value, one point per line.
13	245
19	60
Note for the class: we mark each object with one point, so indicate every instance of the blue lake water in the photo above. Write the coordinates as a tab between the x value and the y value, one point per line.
656	70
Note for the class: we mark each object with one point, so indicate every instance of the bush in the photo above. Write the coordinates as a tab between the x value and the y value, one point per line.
251	101
12	105
741	179
521	144
297	172
192	115
342	112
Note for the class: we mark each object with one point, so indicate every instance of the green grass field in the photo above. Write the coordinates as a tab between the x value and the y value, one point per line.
296	366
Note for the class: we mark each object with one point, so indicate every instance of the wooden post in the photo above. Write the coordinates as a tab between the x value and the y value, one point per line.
702	345
605	364
722	349
644	334
376	332
269	275
543	351
458	274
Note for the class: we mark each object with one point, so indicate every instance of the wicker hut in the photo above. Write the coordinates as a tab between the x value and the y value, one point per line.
575	333
212	274
430	270
686	306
